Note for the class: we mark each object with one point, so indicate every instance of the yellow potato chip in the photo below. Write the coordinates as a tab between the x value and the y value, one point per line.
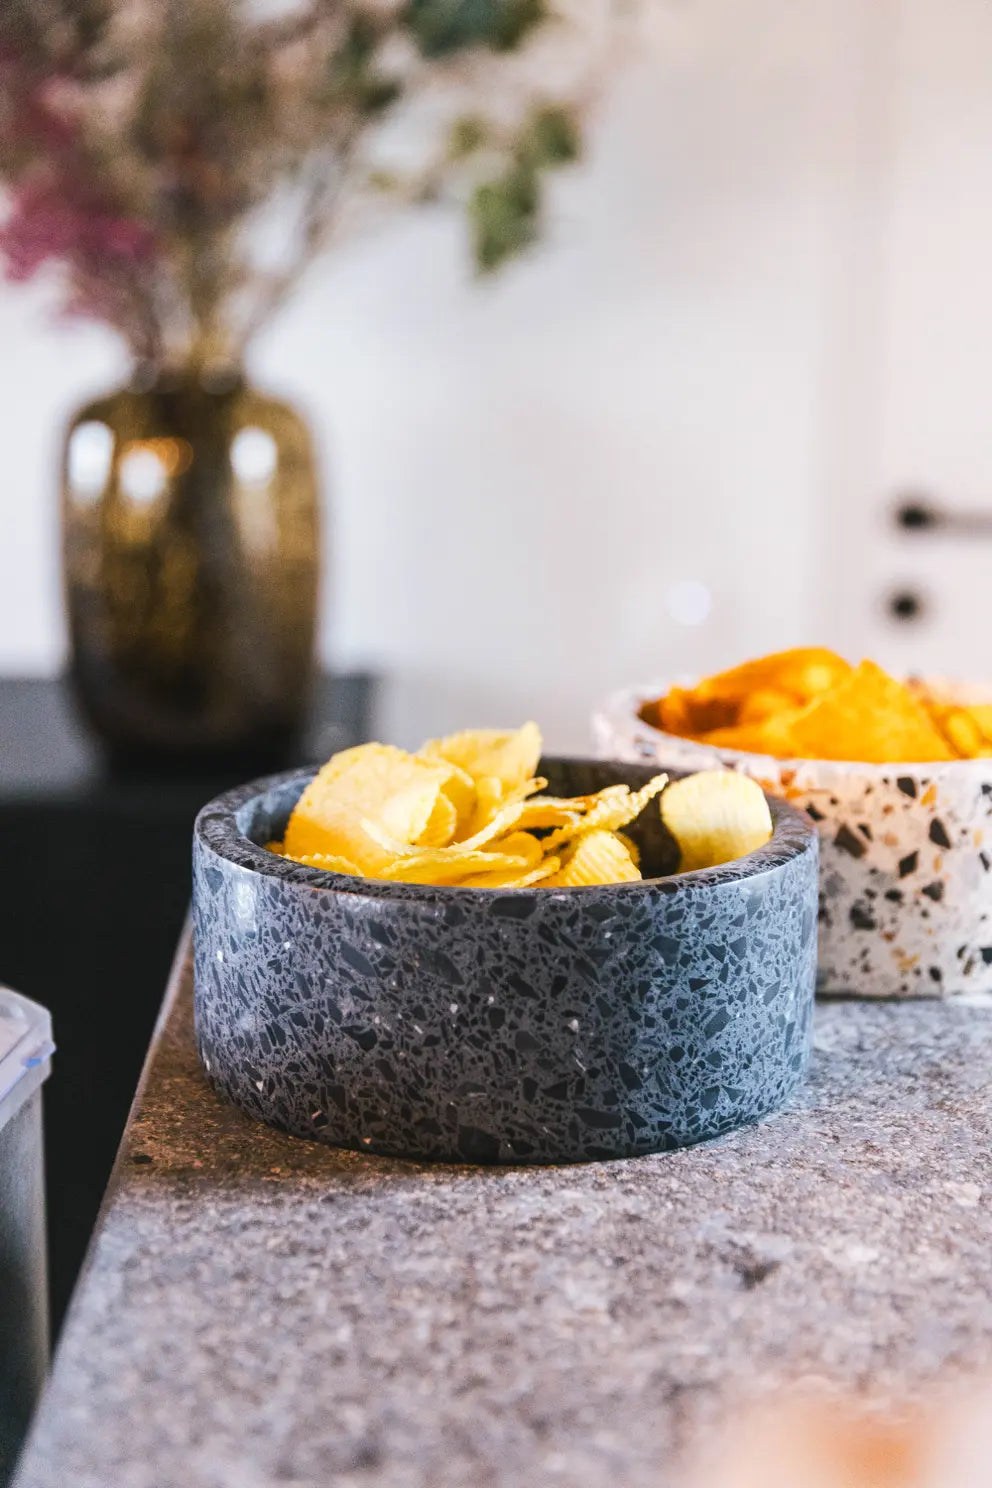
547	811
597	858
632	848
510	757
868	717
715	816
491	796
460	790
512	879
376	782
441	824
477	819
615	807
521	845
329	863
445	865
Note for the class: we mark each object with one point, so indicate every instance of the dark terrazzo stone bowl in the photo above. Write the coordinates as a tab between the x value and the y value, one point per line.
533	1025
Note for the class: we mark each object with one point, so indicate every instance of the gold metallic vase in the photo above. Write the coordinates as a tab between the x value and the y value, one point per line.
191	553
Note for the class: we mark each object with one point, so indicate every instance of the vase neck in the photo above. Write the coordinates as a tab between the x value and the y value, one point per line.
187	378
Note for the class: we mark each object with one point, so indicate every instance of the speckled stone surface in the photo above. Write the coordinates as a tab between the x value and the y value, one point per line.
261	1311
531	1025
905	856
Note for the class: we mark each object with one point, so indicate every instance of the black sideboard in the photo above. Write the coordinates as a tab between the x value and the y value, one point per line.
94	884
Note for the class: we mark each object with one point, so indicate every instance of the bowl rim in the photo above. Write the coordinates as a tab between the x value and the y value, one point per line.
216	831
622	708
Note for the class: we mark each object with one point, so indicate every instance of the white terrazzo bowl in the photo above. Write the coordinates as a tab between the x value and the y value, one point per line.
905	854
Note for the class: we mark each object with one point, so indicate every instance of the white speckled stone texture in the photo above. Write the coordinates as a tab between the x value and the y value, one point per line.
262	1311
905	856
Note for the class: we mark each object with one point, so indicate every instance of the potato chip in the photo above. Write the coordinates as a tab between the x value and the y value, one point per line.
521	845
377	782
329	863
597	858
869	717
632	848
441	824
615	807
477	821
509	757
513	880
715	816
460	790
446	865
547	811
492	796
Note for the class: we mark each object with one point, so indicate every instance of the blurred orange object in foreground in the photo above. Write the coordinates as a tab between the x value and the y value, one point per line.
822	1443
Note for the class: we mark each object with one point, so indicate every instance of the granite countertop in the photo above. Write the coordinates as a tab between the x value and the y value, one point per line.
261	1311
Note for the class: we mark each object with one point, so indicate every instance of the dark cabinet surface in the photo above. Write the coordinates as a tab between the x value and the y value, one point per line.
94	884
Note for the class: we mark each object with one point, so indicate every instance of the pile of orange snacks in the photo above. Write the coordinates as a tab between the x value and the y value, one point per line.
470	811
812	704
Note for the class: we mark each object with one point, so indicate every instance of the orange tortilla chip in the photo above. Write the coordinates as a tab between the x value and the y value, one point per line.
772	737
801	673
869	717
754	693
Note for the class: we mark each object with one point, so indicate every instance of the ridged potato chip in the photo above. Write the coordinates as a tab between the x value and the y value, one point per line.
476	818
441	824
446	865
513	879
373	782
715	817
329	863
632	848
598	857
509	757
615	807
522	845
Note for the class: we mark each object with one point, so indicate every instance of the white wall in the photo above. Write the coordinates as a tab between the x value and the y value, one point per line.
518	472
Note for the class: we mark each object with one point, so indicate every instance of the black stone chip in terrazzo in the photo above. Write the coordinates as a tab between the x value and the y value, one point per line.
536	1025
849	843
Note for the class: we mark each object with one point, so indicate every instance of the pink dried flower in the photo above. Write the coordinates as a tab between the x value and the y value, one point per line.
52	219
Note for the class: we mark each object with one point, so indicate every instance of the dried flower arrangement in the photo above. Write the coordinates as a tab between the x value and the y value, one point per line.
181	162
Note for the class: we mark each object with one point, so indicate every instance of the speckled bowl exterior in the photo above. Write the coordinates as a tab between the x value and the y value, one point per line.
905	856
533	1025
